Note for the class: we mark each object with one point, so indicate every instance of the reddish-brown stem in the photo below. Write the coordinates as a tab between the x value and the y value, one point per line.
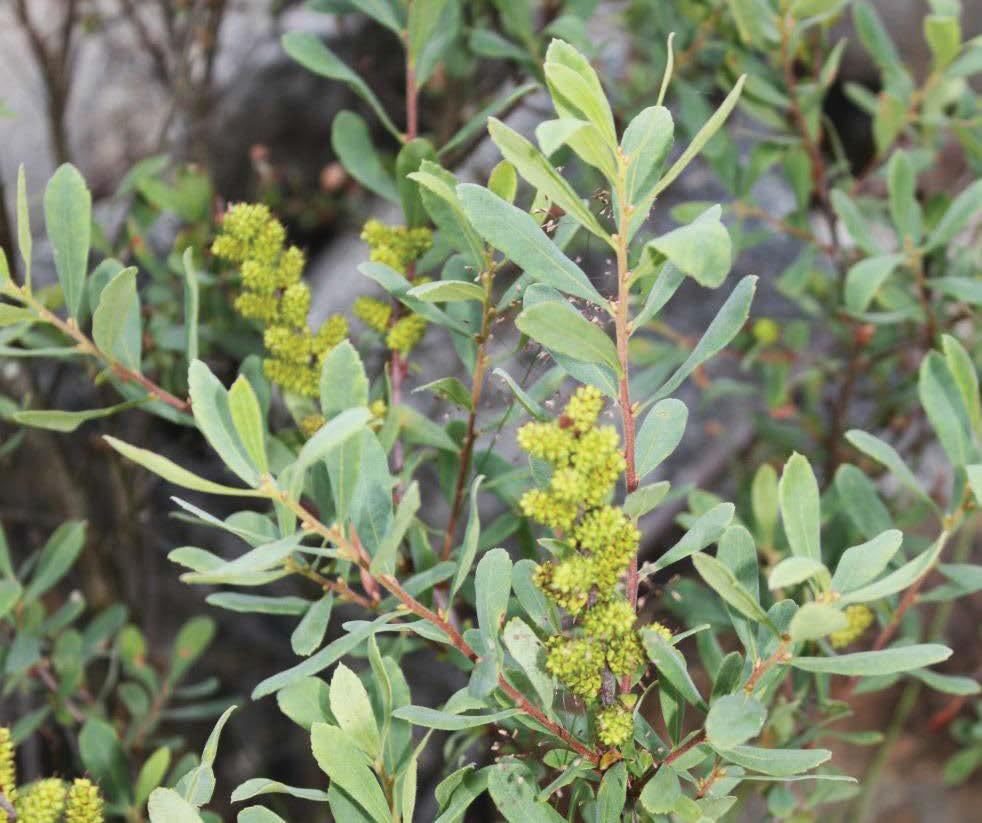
623	333
762	667
85	344
392	585
470	436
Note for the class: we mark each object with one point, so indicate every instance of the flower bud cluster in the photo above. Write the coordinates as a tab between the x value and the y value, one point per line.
48	800
84	803
398	247
8	766
274	295
859	618
42	802
601	540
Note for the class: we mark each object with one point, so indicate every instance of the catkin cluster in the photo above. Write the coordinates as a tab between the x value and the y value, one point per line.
859	618
49	800
600	541
273	294
398	247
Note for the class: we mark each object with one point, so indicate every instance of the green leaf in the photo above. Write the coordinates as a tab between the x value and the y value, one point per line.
662	290
191	642
905	211
66	421
612	794
258	814
438	191
646	143
943	33
343	383
258	786
864	280
173	473
25	240
800	512
309	633
352	143
734	719
568	333
526	649
725	583
764	502
152	774
503	181
383	12
468	548
961	210
10	592
870	664
858	497
517	234
777	762
68	218
247	417
352	710
704	531
384	561
167	806
671	665
332	652
210	404
874	36
859	229
311	53
659	434
345	765
447	721
861	564
449	389
116	326
514	791
794	570
887	456
331	435
966	289
641	501
662	792
306	702
192	302
963	370
477	124
703	136
246	603
723	328
492	587
897	581
104	759
448	291
410	160
948	683
539	173
945	408
58	556
815	620
576	89
701	249
424	17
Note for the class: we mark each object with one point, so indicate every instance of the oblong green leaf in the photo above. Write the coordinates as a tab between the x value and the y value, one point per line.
569	333
870	664
68	218
447	721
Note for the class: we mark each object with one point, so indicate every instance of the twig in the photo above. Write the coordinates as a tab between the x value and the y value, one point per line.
85	344
390	584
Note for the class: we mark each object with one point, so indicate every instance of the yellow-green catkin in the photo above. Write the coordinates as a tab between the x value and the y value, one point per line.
859	618
8	766
398	247
586	463
84	803
42	802
274	295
